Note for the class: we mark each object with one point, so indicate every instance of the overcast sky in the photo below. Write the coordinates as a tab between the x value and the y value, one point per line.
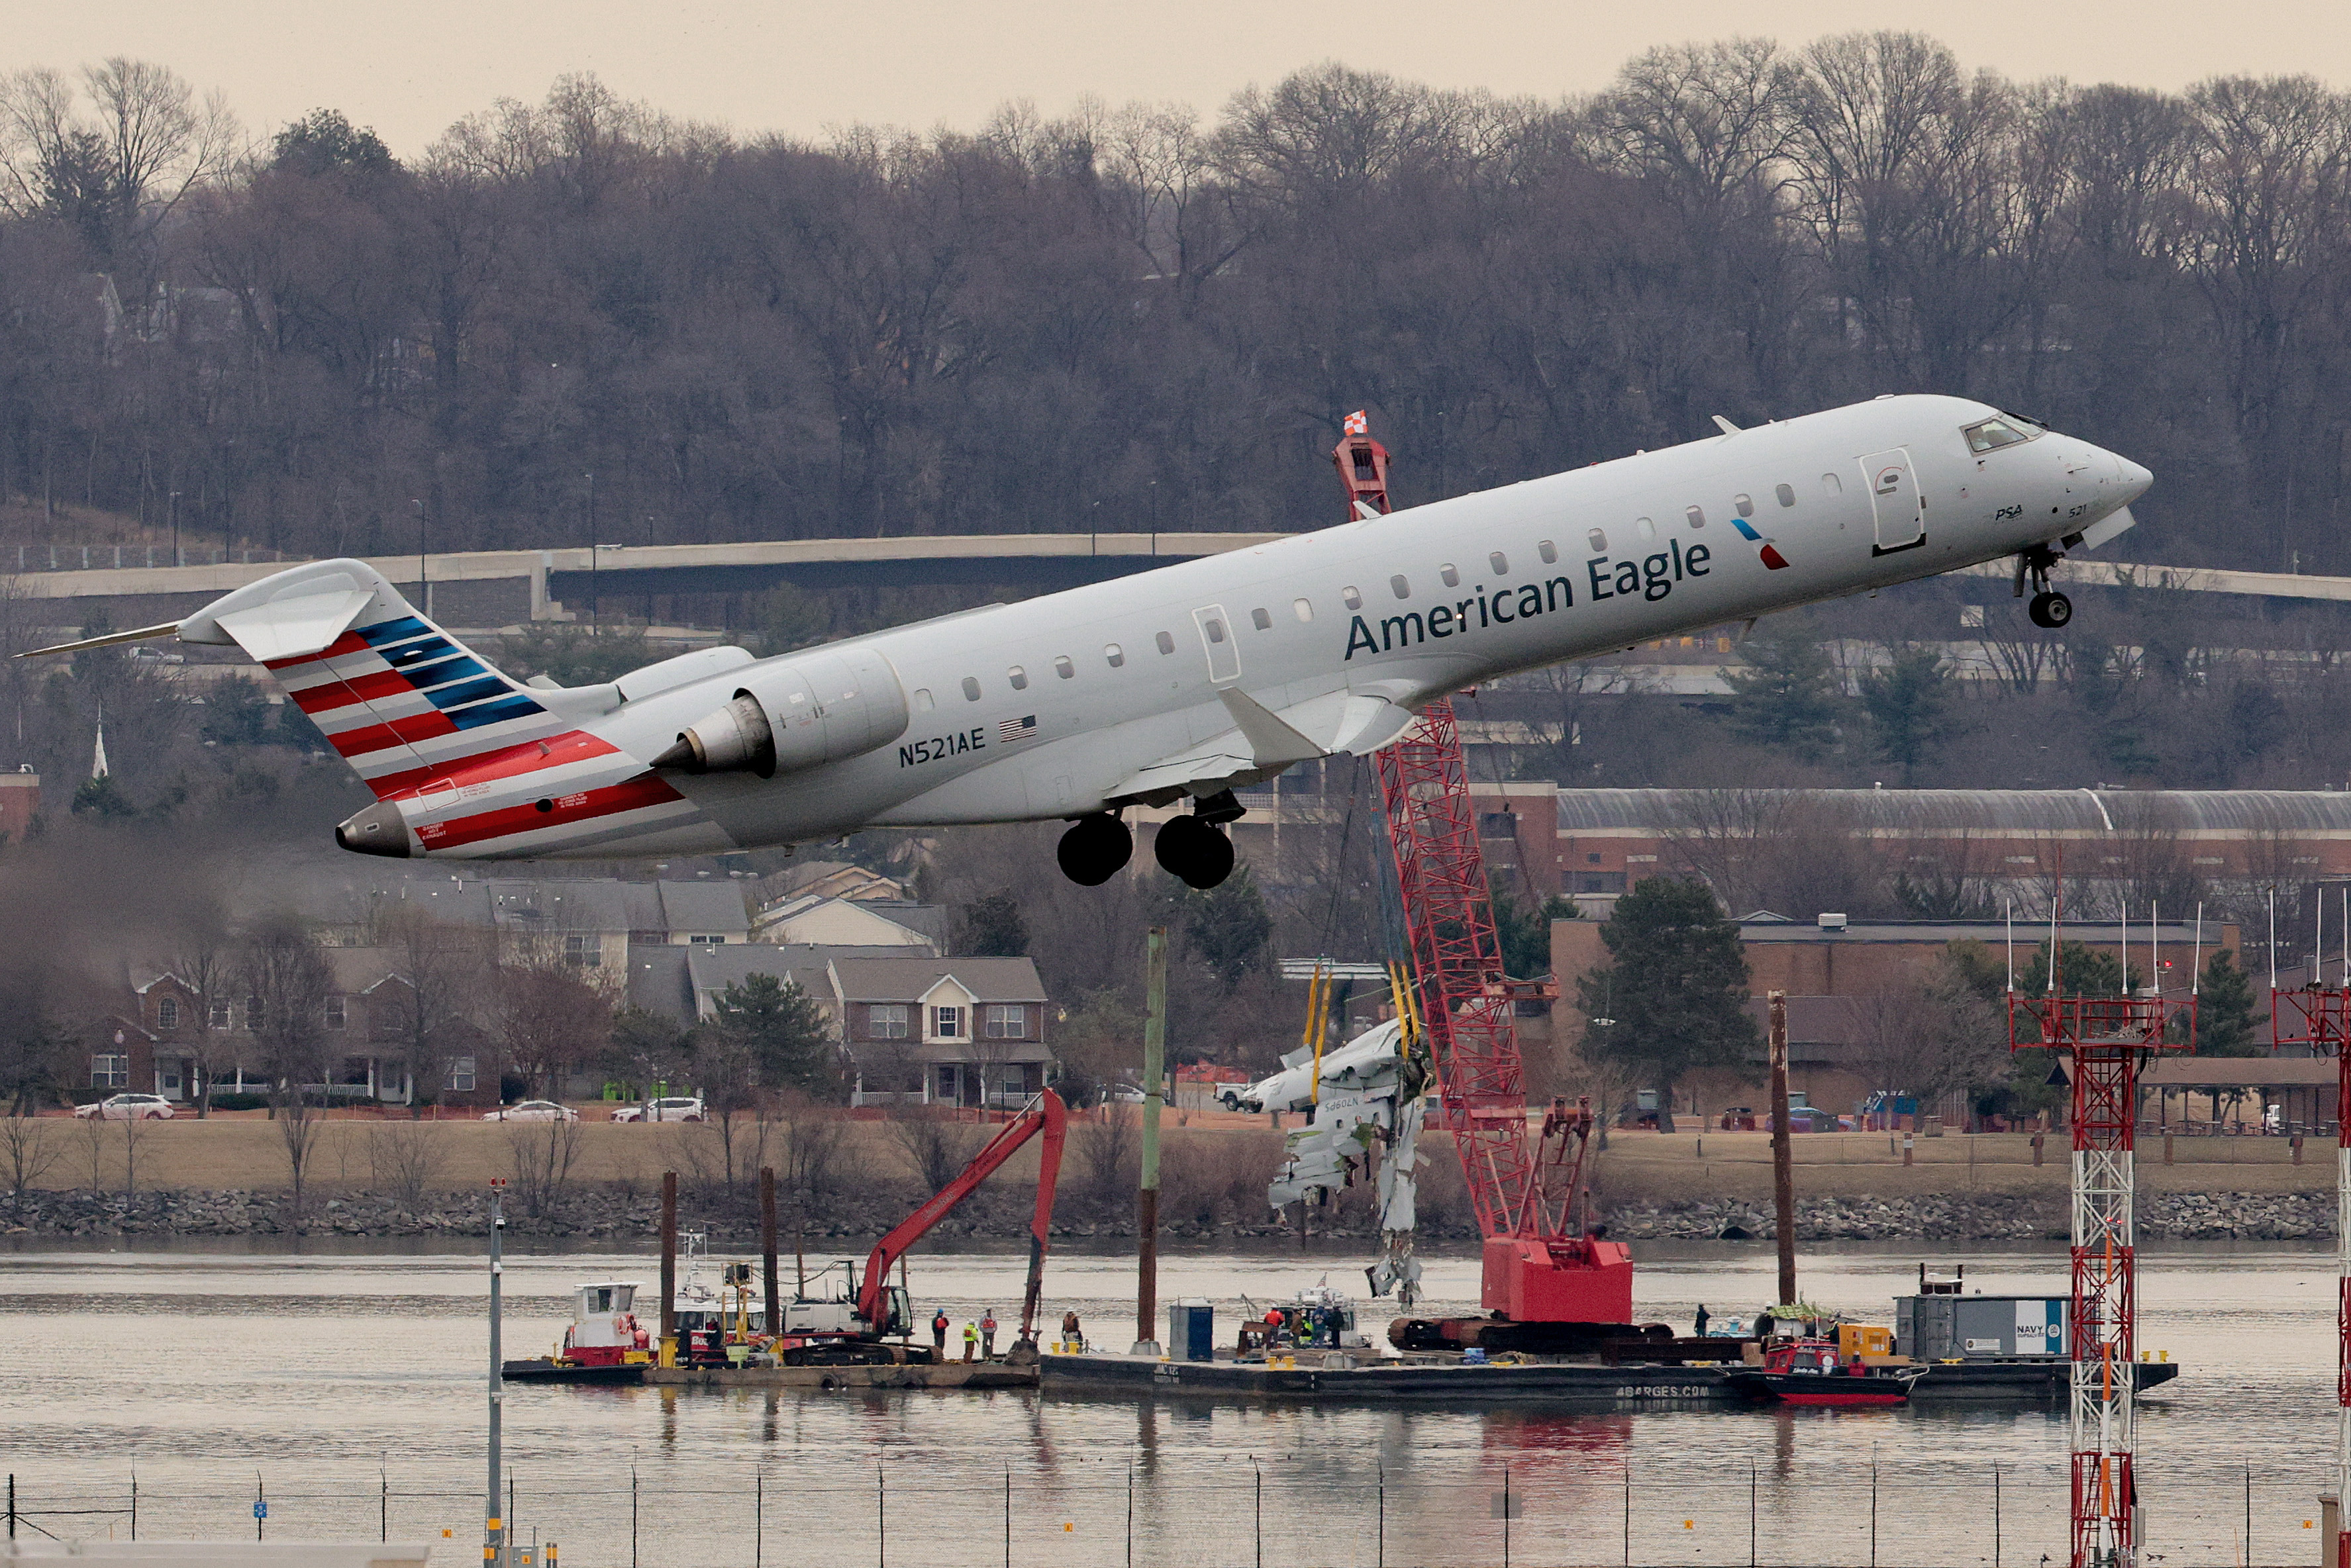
409	67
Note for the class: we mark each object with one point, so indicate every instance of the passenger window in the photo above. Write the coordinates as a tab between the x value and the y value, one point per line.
1499	562
1115	654
1402	589
1742	506
923	700
1450	577
1166	643
1214	629
1787	494
1648	529
970	689
1019	678
1832	484
1305	608
1598	542
1063	668
1548	551
1696	515
1261	619
1351	598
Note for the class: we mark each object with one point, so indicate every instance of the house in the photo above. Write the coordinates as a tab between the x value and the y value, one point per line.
20	800
973	1030
823	921
160	1043
828	879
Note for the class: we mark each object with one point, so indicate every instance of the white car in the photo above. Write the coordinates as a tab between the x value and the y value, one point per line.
532	1110
670	1108
127	1108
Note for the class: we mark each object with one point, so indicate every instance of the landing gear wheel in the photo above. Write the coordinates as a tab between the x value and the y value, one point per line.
2050	609
1094	849
1194	852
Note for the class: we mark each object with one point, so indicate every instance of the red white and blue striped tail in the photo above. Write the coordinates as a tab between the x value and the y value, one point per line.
399	699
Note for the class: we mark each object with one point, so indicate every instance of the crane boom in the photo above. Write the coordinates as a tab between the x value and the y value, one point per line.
1044	1114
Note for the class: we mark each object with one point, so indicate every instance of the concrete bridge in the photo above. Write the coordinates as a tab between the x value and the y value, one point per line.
501	587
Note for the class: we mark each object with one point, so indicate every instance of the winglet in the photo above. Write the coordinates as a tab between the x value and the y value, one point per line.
1728	428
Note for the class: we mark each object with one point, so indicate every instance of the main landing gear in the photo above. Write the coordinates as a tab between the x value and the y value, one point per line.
1188	847
2049	609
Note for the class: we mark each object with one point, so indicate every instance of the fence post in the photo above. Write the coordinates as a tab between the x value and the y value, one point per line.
1257	1528
260	1506
1382	1561
758	1518
12	1475
1130	1513
881	1515
134	1505
383	1504
1506	1516
632	1512
1752	1482
1995	1513
1873	1513
1628	1514
1007	1516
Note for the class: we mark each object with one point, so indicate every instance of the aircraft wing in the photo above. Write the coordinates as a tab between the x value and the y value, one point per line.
1263	742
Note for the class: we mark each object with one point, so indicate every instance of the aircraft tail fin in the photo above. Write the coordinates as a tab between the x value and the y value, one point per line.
399	699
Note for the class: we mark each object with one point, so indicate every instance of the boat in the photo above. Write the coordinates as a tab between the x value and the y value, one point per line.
1316	1318
1809	1372
603	1342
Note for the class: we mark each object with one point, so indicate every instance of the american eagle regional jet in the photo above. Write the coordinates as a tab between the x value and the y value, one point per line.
1190	680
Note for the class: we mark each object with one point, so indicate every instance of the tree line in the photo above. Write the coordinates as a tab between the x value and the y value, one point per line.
587	317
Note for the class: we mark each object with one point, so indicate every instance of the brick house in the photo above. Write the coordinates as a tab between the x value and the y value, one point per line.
973	1028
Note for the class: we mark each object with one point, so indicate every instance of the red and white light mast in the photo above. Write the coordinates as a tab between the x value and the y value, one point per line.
2106	1040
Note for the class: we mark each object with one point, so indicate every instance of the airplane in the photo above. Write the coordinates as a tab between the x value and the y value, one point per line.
1192	680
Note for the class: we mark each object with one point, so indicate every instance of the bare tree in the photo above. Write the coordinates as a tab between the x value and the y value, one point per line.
404	1159
27	1152
937	1144
1927	1037
1109	1142
442	972
286	981
541	1155
204	960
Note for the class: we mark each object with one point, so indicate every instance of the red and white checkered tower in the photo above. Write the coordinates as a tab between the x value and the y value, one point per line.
2103	1040
2318	1017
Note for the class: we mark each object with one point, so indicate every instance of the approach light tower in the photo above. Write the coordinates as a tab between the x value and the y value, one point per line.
2318	1016
2102	1041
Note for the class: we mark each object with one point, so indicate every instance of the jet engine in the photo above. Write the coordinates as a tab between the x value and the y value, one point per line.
819	706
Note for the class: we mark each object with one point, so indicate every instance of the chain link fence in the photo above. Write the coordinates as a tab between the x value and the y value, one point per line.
1329	1511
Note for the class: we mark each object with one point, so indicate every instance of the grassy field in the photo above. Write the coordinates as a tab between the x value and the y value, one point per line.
246	1151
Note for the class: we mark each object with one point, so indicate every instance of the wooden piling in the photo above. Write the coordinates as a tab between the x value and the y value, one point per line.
768	1248
1784	1175
1146	1201
669	1261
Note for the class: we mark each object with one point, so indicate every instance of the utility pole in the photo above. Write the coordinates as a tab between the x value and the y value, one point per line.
175	528
669	1269
1784	1175
595	604
494	1533
1146	1201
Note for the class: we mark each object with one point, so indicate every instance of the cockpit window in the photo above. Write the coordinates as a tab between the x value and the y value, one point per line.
2006	430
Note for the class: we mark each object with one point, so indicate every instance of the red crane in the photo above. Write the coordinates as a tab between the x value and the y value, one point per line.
1045	1113
1548	1286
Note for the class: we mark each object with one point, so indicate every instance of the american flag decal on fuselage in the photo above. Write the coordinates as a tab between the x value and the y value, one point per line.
1012	729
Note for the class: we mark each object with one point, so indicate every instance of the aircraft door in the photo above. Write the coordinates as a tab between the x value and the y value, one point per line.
1898	511
1223	648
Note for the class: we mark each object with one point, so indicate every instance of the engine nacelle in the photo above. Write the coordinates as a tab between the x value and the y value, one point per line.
821	706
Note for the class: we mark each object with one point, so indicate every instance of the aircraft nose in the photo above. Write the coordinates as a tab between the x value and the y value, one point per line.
2136	480
378	830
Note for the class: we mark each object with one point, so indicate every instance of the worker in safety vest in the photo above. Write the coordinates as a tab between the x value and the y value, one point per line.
987	1333
970	1341
939	1334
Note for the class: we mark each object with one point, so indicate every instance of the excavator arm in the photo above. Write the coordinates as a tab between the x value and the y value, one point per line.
1045	1114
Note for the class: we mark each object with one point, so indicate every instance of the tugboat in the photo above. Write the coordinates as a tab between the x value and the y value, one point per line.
1808	1372
604	1343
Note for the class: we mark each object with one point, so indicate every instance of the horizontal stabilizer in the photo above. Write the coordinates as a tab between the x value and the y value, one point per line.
144	634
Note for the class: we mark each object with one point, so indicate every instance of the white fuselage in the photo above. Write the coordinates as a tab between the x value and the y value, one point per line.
1097	696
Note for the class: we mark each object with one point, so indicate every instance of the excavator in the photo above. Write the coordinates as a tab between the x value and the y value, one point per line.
870	1321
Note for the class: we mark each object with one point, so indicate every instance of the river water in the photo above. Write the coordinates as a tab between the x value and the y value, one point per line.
346	1386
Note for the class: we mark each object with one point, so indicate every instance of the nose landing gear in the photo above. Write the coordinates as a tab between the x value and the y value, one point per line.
2049	609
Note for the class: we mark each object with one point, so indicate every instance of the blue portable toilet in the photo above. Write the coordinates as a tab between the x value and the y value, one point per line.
1191	1330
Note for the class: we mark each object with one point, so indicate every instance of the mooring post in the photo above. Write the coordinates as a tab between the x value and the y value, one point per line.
768	1248
1146	1201
668	1353
1783	1156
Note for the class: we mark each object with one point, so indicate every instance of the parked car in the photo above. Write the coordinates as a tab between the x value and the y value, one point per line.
532	1110
1124	1093
156	656
669	1108
127	1108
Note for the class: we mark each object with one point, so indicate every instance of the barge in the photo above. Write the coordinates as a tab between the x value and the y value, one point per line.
1577	1385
